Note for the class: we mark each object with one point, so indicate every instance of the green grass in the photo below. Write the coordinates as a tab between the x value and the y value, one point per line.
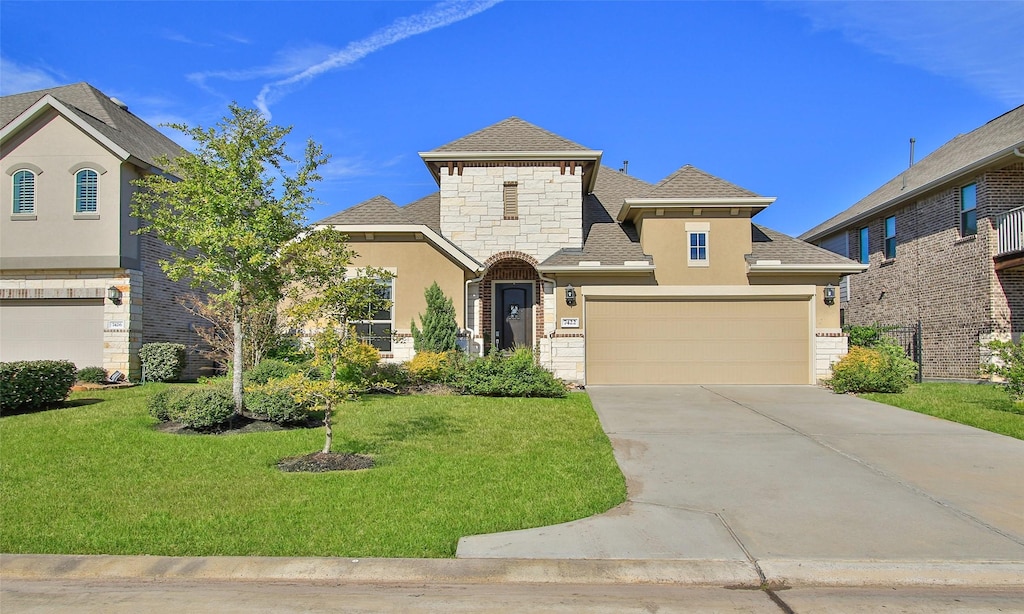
95	477
983	406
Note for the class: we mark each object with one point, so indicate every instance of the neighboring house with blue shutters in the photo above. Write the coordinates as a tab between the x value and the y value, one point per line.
75	282
944	245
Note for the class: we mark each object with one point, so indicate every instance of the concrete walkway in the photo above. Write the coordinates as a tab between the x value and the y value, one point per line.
795	481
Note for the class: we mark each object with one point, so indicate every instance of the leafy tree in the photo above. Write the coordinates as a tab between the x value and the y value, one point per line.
440	330
325	297
259	329
226	209
1007	363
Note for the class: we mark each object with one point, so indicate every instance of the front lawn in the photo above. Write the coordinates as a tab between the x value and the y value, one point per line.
95	477
983	406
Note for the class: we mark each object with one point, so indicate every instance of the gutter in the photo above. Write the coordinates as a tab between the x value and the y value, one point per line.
806	268
597	270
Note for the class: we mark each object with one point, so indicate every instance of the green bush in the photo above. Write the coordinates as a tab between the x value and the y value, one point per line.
30	384
162	362
504	374
202	408
1009	365
92	375
160	404
440	330
884	368
428	367
358	361
867	336
275	405
389	376
270	368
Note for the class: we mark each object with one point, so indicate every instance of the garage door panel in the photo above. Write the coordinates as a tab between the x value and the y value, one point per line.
698	341
68	329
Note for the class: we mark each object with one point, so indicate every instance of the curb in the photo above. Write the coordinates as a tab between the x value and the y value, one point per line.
729	573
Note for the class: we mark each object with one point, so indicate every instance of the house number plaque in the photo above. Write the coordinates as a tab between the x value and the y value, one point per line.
570	322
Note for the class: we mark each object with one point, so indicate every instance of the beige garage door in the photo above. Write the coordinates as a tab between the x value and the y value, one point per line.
67	329
698	341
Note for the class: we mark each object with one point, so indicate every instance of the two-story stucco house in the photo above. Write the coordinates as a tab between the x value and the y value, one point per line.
944	245
612	280
75	282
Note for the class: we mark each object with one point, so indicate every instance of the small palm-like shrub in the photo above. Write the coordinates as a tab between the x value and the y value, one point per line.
884	368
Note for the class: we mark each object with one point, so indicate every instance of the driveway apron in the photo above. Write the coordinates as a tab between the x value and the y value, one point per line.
748	473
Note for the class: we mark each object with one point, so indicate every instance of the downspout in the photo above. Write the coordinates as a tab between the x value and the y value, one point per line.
465	315
554	287
1017	152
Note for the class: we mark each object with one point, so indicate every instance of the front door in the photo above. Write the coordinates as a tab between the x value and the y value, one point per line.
513	315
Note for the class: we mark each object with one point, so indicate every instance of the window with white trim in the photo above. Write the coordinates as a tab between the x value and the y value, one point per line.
24	195
697	241
969	210
86	190
890	237
377	326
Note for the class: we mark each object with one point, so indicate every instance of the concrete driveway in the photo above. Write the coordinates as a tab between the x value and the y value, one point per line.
789	474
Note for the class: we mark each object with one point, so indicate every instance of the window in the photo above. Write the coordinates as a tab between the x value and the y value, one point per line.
890	237
85	191
865	251
511	200
969	210
24	192
698	247
377	327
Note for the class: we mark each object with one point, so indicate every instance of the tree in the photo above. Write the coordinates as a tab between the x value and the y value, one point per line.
440	330
324	296
259	329
225	216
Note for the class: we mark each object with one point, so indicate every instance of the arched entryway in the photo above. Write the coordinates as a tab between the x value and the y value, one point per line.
512	301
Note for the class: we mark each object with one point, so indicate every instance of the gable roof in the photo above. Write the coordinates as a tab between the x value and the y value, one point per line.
691	182
512	134
772	251
964	154
96	111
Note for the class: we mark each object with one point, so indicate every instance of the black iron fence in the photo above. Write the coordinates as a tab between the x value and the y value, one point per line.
907	336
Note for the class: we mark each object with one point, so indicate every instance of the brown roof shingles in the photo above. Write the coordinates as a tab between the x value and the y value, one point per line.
691	182
512	134
768	244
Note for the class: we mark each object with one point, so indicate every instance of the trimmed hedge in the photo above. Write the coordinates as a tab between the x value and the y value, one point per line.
275	406
30	384
503	374
92	375
162	362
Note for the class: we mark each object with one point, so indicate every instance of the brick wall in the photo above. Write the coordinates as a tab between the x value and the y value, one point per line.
510	269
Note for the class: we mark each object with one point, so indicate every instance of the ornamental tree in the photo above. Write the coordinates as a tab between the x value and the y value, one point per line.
440	330
226	210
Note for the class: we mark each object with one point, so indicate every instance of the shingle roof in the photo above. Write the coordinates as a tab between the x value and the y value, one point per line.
998	135
426	211
376	210
691	182
512	134
768	244
102	114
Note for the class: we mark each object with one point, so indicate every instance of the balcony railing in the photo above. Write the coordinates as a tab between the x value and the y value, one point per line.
1010	229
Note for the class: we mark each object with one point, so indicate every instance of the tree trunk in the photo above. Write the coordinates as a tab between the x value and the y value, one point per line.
238	360
329	434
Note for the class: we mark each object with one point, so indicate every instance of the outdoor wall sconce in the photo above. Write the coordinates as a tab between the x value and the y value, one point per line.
114	294
830	294
570	295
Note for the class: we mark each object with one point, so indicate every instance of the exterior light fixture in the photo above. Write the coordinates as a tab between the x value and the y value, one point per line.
570	295
830	294
114	294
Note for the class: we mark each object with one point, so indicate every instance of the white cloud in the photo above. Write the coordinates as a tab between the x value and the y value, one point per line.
438	16
340	169
976	42
15	78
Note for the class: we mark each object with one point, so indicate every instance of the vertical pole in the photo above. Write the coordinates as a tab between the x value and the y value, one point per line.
919	353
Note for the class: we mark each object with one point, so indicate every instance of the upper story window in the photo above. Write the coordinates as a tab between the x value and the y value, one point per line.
890	237
86	181
24	196
698	242
511	200
865	250
969	210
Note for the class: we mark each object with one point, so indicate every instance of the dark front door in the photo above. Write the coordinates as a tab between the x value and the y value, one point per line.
513	315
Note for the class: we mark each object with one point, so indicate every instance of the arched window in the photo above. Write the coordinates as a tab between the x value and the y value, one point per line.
24	192
85	191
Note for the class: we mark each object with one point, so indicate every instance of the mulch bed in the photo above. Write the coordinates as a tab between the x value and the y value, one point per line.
319	462
237	425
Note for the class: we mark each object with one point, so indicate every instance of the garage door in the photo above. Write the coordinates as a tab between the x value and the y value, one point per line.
65	329
698	341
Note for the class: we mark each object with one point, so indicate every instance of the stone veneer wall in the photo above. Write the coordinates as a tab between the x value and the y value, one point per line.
509	269
565	356
945	280
550	210
829	347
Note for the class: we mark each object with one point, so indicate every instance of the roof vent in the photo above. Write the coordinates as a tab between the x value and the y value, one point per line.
119	103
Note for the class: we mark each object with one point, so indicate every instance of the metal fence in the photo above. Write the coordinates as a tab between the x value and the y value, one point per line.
908	336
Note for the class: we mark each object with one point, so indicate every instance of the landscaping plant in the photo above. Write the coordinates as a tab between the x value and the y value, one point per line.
506	374
440	330
31	384
1009	365
92	375
162	362
884	368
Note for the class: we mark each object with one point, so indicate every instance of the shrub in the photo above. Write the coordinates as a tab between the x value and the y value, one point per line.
884	368
440	330
202	408
160	405
162	362
428	367
389	376
1009	365
92	375
358	360
867	336
270	368
276	404
503	374
30	384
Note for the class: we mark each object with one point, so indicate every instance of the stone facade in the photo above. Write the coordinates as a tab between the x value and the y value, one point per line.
549	213
945	280
565	356
829	347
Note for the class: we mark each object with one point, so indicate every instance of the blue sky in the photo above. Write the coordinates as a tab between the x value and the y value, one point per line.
811	102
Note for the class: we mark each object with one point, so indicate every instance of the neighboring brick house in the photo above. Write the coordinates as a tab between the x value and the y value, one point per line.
75	282
943	241
610	279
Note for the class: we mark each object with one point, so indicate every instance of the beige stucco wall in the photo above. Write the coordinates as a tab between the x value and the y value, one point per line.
664	238
826	317
55	238
579	283
416	264
550	210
